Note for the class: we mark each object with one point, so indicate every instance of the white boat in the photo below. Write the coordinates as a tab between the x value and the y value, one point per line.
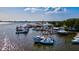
76	39
37	39
43	40
20	30
26	26
55	28
62	31
47	41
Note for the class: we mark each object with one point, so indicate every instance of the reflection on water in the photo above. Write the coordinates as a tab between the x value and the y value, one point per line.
42	47
10	41
7	46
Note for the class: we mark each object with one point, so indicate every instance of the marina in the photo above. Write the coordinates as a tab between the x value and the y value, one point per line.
25	42
39	29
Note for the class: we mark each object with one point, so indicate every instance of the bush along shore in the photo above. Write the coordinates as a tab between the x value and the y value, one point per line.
71	24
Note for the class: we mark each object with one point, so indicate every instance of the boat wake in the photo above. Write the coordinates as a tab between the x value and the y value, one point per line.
8	46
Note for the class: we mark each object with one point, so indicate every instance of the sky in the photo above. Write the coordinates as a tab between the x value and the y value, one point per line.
38	13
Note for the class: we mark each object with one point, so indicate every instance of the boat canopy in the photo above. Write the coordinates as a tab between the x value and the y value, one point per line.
47	24
77	35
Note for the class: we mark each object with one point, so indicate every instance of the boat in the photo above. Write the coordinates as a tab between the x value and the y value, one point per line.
22	30
76	39
37	39
47	27
19	28
27	26
62	31
56	29
47	41
43	40
43	27
36	29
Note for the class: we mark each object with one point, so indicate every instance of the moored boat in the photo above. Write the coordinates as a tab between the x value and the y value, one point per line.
21	29
47	41
37	39
76	39
43	40
62	31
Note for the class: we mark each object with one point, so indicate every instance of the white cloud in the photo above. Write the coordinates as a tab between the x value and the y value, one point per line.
45	10
33	9
57	10
26	9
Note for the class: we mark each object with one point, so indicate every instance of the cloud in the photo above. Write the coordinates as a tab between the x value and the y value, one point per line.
56	10
49	8
26	9
33	9
46	10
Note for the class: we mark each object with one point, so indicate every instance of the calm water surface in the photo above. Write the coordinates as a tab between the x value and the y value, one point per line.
10	41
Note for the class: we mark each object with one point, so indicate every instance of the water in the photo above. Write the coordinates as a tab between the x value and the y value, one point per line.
10	41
